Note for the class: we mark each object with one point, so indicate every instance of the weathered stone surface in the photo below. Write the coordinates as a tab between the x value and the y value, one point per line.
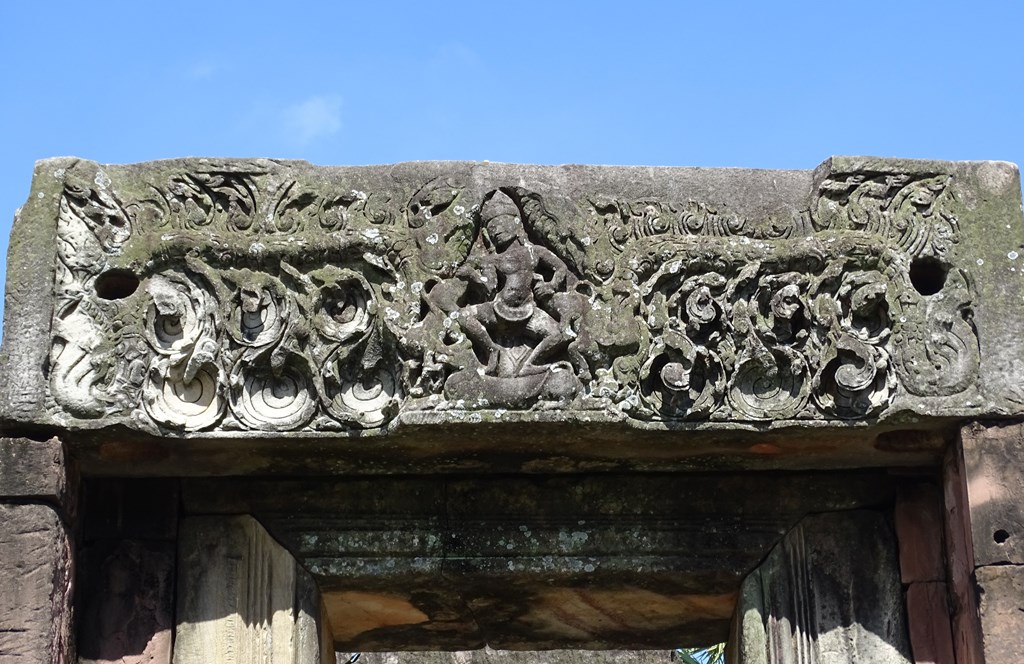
314	642
127	603
38	501
215	298
253	317
928	620
34	469
1001	590
523	447
35	586
242	598
993	456
829	592
592	562
30	292
490	656
919	531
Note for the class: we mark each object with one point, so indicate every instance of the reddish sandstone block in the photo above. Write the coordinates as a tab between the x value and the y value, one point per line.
918	517
931	637
35	586
960	560
35	470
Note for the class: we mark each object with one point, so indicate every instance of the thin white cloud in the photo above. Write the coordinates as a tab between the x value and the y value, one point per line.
201	71
316	117
454	58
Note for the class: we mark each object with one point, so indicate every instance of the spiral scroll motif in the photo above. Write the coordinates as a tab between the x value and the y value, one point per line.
259	317
273	299
267	401
189	405
345	308
857	382
173	324
682	380
369	401
770	387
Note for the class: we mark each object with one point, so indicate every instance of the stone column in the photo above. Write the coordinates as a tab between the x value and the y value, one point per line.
243	599
829	592
36	556
984	486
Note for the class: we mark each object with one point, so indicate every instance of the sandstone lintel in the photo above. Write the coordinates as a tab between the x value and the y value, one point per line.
209	298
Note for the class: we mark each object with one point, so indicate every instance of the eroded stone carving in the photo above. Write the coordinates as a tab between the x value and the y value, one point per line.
86	377
270	304
516	303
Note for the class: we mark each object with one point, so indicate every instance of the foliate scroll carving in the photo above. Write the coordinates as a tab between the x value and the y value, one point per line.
272	302
441	230
85	377
907	210
185	387
199	200
768	316
247	349
760	341
913	213
855	376
941	344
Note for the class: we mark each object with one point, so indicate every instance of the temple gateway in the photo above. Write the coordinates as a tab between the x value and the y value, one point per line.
262	412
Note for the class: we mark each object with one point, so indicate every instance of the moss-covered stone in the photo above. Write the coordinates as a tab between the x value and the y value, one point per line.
205	299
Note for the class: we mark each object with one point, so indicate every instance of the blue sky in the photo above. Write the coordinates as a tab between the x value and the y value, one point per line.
772	85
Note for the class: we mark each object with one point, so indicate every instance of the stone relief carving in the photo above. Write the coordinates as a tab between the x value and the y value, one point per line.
86	377
516	303
184	387
935	325
269	304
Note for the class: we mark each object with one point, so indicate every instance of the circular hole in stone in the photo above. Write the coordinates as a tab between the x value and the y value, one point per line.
927	275
1000	536
116	284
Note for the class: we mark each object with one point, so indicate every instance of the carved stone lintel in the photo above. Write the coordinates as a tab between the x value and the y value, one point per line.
198	297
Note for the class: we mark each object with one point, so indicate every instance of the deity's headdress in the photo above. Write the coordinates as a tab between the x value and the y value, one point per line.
498	205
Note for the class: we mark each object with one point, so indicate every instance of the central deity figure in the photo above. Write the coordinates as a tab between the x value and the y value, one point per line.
515	301
513	278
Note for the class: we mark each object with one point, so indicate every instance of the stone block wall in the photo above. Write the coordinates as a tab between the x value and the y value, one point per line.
984	486
38	487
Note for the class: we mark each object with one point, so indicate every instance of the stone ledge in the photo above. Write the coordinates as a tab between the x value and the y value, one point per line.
32	469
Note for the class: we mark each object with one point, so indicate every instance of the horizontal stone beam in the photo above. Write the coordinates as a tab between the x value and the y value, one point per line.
209	298
591	562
